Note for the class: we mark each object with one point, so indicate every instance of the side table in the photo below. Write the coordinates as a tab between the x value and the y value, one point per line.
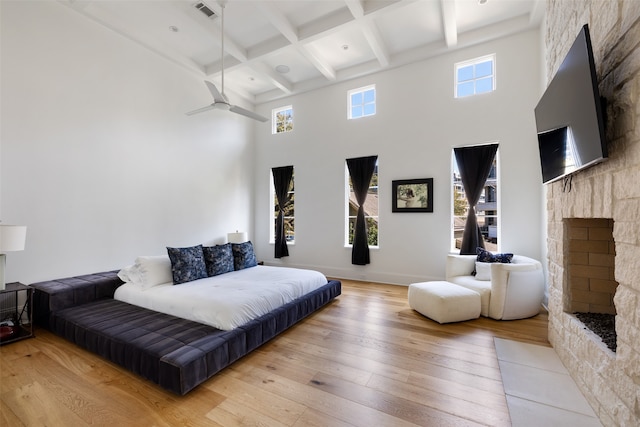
16	313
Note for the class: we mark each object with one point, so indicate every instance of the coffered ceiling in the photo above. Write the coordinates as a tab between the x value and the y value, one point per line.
276	48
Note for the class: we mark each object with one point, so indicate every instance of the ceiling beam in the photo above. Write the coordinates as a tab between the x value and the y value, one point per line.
356	8
275	78
301	37
230	46
449	22
279	21
537	12
376	42
284	26
370	32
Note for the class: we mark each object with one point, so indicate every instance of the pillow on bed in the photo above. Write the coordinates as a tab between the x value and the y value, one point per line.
148	271
243	255
187	264
129	274
218	259
153	270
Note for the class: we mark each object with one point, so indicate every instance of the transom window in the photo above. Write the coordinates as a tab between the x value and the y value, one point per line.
362	102
475	76
282	119
371	208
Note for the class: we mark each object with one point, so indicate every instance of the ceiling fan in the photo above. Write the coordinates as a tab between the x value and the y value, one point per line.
220	100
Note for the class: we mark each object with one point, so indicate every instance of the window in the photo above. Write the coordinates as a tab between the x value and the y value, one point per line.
370	209
487	210
282	119
362	102
289	214
475	76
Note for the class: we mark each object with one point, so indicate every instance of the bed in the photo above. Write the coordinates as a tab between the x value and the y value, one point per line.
137	324
226	301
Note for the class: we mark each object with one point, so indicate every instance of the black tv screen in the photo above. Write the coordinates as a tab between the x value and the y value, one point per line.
569	116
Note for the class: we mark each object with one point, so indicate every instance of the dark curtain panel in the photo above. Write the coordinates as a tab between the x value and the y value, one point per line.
361	170
281	182
474	164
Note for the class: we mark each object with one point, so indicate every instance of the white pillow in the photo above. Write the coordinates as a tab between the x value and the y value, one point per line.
153	271
129	274
483	271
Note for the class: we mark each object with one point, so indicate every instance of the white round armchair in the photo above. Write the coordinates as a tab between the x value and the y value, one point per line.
509	291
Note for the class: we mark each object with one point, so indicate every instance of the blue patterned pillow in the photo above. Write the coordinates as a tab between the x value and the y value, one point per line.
486	256
187	264
218	259
243	255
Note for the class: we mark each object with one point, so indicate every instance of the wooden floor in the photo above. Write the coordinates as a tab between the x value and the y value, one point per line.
366	359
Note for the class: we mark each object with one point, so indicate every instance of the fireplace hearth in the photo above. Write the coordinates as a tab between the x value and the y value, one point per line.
603	325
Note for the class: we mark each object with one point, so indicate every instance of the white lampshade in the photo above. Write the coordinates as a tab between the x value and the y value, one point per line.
237	237
12	238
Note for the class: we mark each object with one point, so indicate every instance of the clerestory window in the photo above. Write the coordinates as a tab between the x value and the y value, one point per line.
475	76
282	119
362	102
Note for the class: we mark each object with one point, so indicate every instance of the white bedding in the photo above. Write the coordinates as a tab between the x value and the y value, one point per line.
228	300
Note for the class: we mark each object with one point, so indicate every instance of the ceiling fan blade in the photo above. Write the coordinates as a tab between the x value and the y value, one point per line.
247	113
201	110
217	96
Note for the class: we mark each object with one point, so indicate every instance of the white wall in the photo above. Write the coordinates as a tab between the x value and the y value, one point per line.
97	156
417	124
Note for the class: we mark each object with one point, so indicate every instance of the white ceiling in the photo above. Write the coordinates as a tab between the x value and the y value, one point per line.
321	41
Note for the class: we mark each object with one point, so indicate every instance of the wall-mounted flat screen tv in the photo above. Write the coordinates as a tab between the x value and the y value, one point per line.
569	116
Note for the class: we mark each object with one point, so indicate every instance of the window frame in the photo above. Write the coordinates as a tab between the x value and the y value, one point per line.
347	217
474	62
275	122
274	206
363	90
498	212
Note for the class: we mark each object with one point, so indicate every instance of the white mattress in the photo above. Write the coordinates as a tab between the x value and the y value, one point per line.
228	300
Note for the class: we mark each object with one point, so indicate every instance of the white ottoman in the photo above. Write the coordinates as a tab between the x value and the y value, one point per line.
444	302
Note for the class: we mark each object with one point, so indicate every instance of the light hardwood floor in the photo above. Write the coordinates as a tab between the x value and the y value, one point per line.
366	359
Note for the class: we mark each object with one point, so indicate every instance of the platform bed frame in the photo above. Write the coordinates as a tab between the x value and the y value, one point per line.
175	353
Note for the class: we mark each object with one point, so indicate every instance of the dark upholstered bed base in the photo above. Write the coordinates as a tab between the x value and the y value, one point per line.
175	353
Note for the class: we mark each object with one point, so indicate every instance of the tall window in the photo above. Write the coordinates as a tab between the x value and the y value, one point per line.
362	102
288	211
370	210
282	119
475	76
487	210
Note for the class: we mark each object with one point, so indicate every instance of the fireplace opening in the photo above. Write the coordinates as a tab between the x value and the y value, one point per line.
590	263
603	325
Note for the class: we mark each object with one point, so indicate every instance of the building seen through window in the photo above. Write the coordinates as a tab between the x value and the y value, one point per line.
288	211
371	208
487	212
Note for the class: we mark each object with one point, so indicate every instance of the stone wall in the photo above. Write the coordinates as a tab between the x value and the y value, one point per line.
610	381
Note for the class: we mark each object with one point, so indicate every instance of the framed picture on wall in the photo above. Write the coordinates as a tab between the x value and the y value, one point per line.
412	195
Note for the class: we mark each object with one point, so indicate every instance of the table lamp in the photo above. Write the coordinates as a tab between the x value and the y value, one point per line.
237	237
12	238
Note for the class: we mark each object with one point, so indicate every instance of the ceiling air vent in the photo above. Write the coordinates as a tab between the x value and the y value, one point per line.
205	10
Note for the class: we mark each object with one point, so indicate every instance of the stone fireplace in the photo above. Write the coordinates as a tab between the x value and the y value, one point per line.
593	225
